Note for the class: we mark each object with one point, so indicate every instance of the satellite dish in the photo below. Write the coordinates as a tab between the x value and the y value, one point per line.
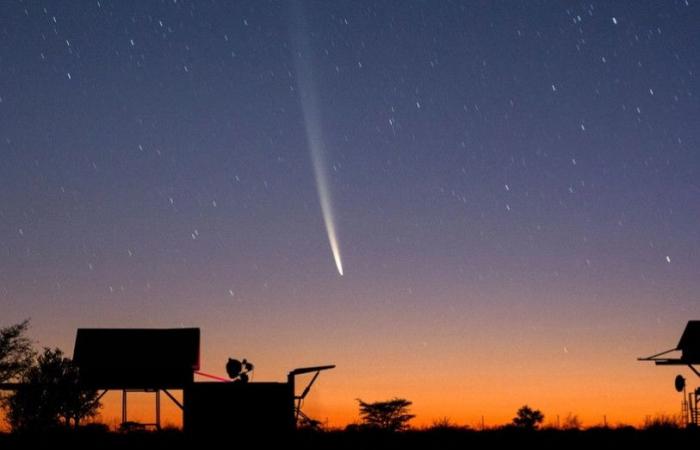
679	383
238	370
234	368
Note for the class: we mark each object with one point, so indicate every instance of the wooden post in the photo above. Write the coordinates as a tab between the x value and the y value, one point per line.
158	409
123	406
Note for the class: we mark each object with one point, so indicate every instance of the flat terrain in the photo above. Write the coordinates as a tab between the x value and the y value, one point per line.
599	438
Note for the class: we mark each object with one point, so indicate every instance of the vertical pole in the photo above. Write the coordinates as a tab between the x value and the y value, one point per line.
123	406
684	409
696	400
690	409
482	423
158	409
295	407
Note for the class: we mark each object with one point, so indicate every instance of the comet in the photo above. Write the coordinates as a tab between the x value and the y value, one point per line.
312	122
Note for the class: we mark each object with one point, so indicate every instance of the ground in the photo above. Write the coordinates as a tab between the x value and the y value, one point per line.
598	439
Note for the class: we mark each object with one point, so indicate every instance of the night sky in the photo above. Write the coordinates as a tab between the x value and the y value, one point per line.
514	190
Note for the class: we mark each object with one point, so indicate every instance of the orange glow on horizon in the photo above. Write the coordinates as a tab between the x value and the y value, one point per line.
485	361
334	402
495	398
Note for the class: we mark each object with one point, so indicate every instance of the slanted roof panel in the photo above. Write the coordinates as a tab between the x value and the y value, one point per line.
690	340
136	357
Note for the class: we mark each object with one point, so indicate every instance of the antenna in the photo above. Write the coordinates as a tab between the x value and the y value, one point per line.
300	398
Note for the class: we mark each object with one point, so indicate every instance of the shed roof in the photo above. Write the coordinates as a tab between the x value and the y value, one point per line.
137	348
690	340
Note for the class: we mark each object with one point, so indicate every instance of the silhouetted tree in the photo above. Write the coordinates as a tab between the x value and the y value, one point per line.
446	424
391	415
527	418
50	395
16	352
571	422
76	403
306	423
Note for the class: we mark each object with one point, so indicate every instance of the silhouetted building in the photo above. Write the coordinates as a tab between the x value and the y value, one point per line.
216	407
159	360
689	345
137	358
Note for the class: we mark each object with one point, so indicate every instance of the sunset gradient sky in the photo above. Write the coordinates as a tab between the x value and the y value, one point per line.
515	188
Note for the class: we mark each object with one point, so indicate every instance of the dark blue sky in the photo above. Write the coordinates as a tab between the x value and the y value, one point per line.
488	161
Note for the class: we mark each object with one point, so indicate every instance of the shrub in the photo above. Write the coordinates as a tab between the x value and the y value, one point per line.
527	418
391	415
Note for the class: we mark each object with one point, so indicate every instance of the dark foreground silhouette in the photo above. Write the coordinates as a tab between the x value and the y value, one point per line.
594	438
